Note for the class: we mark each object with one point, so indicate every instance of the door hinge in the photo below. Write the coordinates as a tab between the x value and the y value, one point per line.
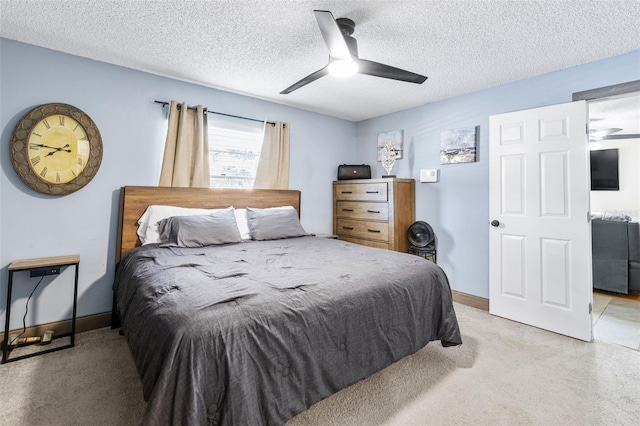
590	308
588	217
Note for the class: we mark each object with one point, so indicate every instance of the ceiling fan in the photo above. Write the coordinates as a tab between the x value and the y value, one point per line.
343	55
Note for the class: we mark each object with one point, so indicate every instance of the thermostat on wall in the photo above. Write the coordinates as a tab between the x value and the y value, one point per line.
429	175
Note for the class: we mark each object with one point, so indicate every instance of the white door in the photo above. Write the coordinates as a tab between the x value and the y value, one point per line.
540	238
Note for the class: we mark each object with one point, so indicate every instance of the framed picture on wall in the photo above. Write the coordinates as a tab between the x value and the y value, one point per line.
394	138
458	145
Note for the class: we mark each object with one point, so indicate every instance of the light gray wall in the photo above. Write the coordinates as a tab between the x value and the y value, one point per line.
458	206
120	101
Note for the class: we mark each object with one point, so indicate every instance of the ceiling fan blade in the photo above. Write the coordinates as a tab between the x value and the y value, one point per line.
308	79
385	71
332	35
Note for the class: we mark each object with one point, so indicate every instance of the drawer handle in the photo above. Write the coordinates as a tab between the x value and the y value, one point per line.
347	192
348	228
372	192
376	231
373	211
347	210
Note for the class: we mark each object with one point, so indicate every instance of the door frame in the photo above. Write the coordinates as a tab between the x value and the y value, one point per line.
607	91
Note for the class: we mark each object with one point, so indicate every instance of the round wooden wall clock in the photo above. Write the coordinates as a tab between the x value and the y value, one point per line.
56	149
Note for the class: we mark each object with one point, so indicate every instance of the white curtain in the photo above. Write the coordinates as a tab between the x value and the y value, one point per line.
186	150
273	168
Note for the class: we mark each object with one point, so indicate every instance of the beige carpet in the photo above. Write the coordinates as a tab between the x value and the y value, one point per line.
505	373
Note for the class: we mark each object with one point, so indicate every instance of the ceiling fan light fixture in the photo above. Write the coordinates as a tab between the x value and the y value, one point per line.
343	67
343	55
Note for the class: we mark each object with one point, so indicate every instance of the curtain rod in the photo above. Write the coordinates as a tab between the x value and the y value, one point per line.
207	111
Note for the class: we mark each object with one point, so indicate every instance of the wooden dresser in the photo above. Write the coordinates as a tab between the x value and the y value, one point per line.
374	212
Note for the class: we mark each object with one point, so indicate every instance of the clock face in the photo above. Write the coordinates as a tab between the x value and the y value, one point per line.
56	149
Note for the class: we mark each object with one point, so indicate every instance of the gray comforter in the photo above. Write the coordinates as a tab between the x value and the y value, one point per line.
256	332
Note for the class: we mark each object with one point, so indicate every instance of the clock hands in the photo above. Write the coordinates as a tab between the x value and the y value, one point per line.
45	146
55	149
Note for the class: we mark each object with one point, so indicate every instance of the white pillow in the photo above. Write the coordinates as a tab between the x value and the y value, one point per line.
148	222
243	225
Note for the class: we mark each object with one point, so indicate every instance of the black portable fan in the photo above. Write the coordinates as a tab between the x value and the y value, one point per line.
422	238
420	234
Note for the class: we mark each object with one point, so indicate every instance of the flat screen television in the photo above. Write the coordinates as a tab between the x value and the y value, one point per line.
604	170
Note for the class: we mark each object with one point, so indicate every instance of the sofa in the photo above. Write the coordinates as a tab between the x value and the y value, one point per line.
615	242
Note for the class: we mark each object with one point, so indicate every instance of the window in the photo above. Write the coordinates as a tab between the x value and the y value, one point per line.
234	151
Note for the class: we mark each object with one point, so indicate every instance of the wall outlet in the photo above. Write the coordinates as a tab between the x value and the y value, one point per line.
430	175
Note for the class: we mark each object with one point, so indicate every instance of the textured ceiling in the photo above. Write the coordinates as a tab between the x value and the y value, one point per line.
621	113
260	47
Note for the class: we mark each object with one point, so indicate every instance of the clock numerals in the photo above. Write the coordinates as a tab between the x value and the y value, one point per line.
80	133
60	153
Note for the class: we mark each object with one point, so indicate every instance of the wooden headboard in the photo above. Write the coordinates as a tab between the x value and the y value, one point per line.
134	200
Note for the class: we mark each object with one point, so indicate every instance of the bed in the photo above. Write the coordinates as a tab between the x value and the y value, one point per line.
255	332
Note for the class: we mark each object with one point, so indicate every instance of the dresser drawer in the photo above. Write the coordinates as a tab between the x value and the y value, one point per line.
362	229
362	192
362	210
369	243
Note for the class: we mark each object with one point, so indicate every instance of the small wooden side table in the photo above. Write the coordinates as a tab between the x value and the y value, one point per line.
33	265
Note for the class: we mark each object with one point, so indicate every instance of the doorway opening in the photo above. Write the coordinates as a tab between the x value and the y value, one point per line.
614	132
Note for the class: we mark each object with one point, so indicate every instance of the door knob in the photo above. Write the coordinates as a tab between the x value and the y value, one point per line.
495	223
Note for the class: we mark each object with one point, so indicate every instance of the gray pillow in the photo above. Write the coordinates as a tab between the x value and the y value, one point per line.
274	223
199	231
